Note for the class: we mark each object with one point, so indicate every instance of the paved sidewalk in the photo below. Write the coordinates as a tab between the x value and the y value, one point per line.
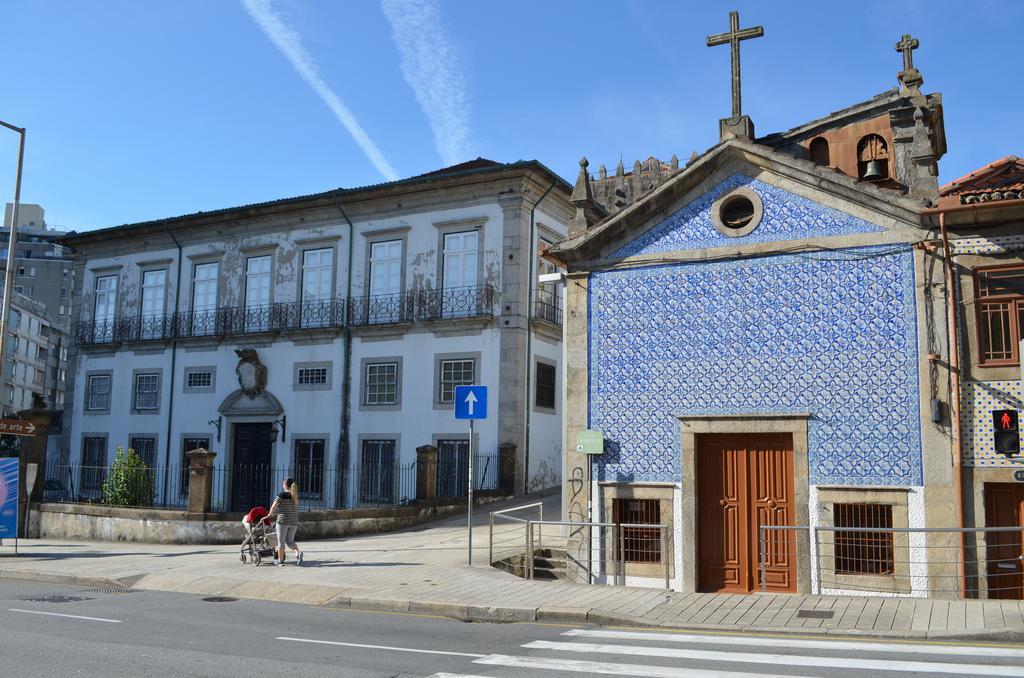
424	570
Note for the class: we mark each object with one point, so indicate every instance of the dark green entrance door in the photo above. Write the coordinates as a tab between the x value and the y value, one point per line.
251	472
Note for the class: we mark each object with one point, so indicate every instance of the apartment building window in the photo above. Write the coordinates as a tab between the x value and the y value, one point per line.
868	552
204	299
454	372
154	292
309	467
1000	314
544	395
314	376
187	445
200	379
145	447
377	473
104	307
94	463
10	395
639	544
384	284
146	397
97	397
380	383
460	259
317	274
257	293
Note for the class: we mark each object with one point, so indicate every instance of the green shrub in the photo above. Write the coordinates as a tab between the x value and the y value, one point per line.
130	482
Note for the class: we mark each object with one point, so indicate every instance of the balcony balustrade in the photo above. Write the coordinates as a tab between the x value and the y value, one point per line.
383	309
456	302
548	306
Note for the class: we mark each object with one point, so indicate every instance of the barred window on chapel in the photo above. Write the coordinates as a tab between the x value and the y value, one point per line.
1000	306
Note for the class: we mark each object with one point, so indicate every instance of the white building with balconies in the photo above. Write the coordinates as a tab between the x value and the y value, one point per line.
322	337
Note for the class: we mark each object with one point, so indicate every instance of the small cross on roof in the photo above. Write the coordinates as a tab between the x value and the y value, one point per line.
907	45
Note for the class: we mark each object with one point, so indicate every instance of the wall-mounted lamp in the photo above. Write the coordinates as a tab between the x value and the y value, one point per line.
280	433
216	422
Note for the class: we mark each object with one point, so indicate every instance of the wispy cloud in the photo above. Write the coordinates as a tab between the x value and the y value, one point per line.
431	66
290	45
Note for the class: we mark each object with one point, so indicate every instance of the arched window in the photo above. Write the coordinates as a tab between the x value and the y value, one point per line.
872	158
819	151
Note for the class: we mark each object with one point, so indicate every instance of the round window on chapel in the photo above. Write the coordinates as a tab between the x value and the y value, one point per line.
736	212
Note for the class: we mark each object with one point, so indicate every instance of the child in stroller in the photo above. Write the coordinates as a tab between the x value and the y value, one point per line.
256	545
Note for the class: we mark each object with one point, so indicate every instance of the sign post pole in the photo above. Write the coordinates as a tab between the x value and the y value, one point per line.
470	403
469	511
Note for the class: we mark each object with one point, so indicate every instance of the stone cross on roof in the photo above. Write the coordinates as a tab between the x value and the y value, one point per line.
733	38
907	45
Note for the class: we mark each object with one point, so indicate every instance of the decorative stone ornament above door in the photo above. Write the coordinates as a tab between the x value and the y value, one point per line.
737	213
252	374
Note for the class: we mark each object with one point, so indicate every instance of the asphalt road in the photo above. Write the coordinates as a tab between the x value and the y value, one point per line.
155	634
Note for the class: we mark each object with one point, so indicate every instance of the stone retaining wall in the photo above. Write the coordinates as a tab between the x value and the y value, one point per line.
153	526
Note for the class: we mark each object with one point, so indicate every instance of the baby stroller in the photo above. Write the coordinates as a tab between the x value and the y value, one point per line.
256	545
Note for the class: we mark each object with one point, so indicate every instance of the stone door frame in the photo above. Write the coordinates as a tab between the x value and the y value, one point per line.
692	426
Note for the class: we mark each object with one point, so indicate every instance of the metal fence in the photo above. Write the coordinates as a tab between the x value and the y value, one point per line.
239	487
983	562
597	553
156	487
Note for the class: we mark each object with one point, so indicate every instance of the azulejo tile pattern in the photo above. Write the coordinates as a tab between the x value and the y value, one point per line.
979	399
832	334
994	245
786	217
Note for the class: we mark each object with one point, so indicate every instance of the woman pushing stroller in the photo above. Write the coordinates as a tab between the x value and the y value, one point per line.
286	508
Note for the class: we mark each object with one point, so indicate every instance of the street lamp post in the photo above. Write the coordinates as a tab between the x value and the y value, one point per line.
5	307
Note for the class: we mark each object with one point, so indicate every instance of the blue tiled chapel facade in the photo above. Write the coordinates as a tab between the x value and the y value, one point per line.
830	333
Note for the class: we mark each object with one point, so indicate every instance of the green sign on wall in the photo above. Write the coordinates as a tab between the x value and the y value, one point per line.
590	442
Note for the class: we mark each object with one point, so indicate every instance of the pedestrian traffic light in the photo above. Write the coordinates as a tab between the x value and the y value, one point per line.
1006	433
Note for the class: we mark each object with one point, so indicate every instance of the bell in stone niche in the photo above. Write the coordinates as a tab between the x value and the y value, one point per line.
873	171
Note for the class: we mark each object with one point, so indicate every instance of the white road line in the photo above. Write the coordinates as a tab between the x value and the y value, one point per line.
607	668
867	646
380	647
66	616
454	675
783	659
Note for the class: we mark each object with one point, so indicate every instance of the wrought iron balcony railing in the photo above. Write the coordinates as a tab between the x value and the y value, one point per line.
456	302
381	309
548	306
220	322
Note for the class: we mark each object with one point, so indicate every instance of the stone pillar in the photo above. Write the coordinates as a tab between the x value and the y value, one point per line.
200	480
426	472
507	467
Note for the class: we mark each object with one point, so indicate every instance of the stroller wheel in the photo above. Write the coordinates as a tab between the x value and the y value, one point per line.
241	557
256	559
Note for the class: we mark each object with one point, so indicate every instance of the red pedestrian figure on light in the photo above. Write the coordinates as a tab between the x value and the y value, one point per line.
1005	421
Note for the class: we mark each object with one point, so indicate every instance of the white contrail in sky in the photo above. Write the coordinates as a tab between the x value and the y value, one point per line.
290	45
430	64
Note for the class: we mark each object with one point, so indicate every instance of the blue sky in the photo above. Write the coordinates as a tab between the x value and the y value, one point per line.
140	110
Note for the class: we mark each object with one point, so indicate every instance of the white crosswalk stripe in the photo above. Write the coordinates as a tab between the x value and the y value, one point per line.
776	641
688	655
612	669
781	659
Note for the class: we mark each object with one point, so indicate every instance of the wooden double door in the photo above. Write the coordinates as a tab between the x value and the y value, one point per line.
745	481
1004	507
251	472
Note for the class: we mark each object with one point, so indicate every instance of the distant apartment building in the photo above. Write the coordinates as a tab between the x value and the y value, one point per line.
325	335
36	360
43	270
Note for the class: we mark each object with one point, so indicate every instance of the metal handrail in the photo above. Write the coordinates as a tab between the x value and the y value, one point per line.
502	515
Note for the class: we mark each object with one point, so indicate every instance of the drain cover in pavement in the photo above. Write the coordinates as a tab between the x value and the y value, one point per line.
57	599
113	590
220	599
815	614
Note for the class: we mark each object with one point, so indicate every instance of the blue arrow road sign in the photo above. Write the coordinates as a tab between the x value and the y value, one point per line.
470	402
